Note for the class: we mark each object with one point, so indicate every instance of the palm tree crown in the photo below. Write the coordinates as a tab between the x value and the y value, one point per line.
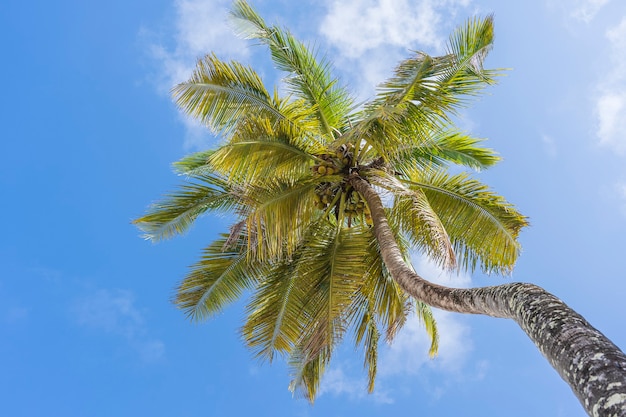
301	240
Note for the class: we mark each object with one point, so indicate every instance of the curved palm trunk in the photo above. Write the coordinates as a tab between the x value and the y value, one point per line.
590	363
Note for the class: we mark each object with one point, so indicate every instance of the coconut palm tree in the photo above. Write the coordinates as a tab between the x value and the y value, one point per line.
327	199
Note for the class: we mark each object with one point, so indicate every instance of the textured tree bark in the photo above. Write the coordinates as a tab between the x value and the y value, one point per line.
591	364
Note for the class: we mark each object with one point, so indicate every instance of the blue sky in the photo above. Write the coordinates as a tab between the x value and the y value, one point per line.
88	136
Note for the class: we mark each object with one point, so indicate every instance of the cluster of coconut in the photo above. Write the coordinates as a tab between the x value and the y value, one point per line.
333	163
328	196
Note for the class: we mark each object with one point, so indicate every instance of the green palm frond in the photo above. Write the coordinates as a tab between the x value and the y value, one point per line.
425	91
381	129
306	372
425	316
277	215
367	334
274	322
302	301
178	210
470	44
194	164
219	94
386	301
250	160
444	147
415	216
462	73
258	150
333	260
308	78
482	225
218	279
421	223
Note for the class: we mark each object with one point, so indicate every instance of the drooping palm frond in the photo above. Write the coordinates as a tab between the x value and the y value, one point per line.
274	323
382	307
306	372
389	305
415	217
379	303
368	335
333	260
302	302
308	78
218	279
178	210
278	214
482	225
425	315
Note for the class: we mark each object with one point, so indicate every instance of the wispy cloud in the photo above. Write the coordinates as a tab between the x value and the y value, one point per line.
585	10
198	27
430	271
339	383
407	355
356	26
367	38
549	145
370	36
610	104
114	312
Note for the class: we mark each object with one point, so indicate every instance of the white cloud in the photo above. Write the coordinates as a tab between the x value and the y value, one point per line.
368	35
356	26
200	27
431	272
114	312
371	36
408	353
611	112
337	383
549	145
586	10
610	103
197	135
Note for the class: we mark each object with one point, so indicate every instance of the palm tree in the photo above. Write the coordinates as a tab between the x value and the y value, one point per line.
327	198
